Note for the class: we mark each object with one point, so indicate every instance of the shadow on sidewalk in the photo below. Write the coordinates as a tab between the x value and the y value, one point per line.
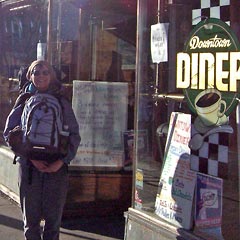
112	226
11	222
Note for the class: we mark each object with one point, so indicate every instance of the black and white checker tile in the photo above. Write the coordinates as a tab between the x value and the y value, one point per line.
211	9
212	157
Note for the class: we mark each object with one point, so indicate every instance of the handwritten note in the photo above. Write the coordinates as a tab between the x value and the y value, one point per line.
176	186
159	42
101	111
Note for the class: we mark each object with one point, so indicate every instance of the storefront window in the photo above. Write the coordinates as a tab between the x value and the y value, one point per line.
24	24
92	46
203	32
84	40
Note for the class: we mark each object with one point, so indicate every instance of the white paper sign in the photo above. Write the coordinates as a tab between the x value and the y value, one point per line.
41	51
177	182
159	42
101	111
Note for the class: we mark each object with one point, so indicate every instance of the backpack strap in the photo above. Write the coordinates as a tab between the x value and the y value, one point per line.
60	97
15	159
24	87
22	98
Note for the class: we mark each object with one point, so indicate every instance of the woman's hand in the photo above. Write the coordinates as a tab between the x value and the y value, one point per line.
55	166
44	166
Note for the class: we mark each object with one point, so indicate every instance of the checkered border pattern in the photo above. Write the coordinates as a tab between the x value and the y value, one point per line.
212	9
212	157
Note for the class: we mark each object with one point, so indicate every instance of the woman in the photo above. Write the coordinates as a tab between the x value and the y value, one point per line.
43	184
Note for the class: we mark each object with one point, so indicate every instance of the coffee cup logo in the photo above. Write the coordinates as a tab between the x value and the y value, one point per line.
210	107
206	62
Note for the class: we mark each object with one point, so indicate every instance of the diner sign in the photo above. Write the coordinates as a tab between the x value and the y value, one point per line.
208	71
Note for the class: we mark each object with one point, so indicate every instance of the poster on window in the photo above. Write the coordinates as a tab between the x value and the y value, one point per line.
208	206
177	182
101	111
208	211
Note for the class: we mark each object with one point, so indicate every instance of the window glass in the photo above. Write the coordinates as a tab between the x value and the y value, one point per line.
83	40
158	97
24	24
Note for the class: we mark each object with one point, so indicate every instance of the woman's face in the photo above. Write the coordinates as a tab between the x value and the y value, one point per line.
40	77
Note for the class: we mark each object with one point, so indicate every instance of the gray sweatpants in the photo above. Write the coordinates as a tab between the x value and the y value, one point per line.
42	197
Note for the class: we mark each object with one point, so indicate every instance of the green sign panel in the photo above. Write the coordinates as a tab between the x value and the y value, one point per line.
208	71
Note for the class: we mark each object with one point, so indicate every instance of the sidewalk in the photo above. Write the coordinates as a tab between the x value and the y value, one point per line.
108	228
